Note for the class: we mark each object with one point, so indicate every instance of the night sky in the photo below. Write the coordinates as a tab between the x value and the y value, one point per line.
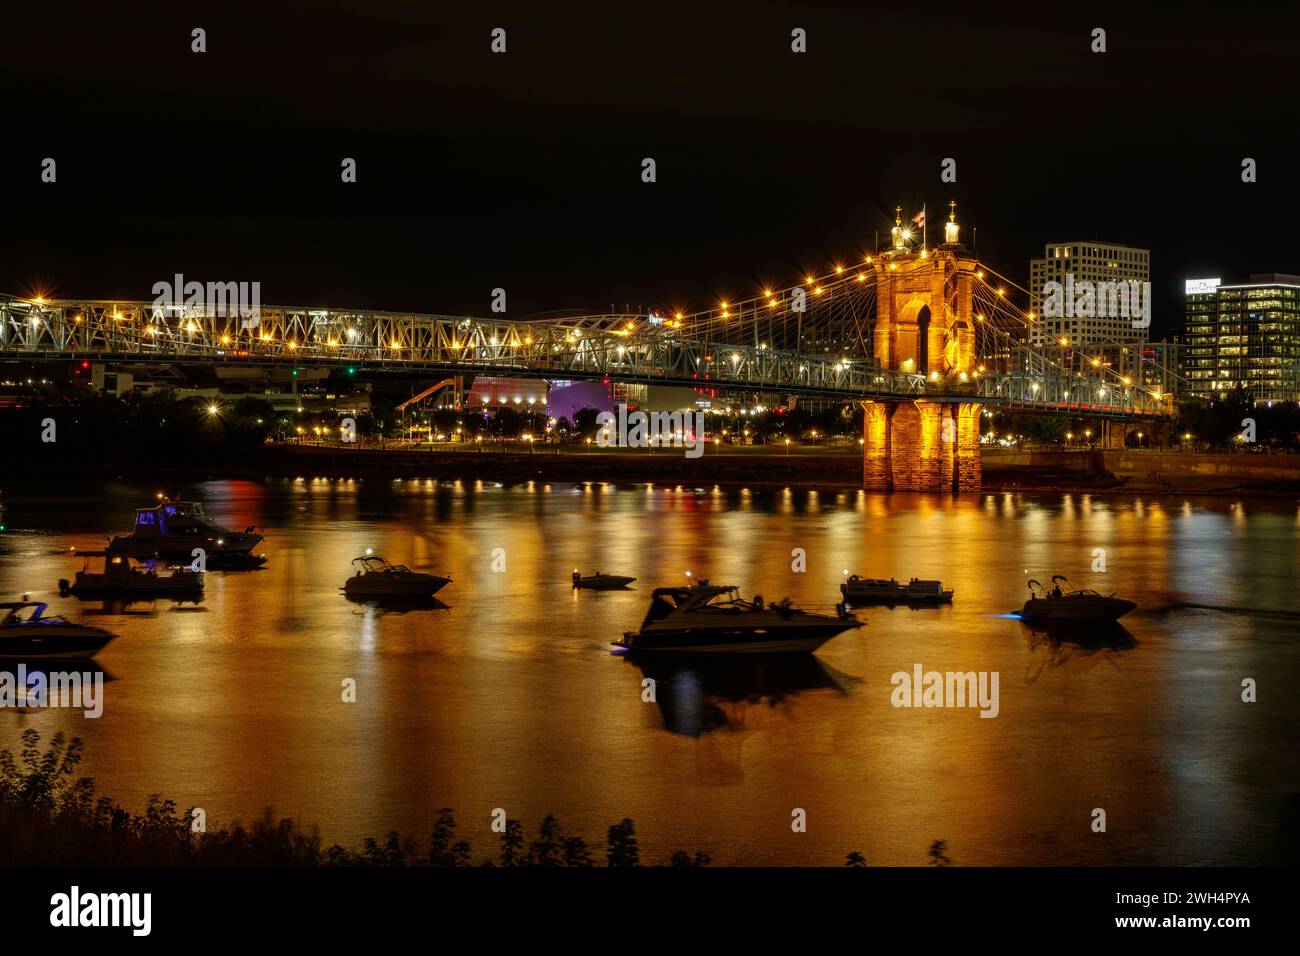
523	170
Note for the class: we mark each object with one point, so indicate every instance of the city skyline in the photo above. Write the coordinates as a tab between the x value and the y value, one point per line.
859	441
522	170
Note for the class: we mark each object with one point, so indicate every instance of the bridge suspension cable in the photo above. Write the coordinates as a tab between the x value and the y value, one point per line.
1010	318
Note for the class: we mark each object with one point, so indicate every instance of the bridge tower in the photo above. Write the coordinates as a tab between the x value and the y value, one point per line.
925	325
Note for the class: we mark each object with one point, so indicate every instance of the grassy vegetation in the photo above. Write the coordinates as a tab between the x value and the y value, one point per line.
51	817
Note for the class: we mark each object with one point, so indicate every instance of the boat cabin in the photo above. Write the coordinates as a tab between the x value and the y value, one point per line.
173	518
666	601
917	586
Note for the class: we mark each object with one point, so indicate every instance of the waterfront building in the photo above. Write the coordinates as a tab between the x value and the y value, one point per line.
1078	265
1155	366
1244	336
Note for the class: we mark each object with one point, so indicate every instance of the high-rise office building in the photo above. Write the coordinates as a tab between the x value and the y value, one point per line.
1090	293
1154	366
1244	336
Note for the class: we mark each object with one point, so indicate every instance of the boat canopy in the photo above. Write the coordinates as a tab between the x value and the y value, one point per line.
664	601
37	615
373	564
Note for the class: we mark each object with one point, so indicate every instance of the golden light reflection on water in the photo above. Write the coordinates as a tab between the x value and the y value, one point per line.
508	696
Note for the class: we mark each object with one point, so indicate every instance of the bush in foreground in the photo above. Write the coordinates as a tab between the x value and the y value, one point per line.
51	817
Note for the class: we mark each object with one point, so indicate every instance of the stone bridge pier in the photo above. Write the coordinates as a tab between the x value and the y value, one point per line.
921	445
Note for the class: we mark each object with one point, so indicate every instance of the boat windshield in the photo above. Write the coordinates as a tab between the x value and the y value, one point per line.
711	600
664	603
374	564
30	614
727	602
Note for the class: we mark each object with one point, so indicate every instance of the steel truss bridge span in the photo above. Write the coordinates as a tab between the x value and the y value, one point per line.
745	347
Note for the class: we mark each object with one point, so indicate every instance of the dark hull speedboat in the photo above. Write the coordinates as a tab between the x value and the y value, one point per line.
600	581
26	634
711	619
376	578
1074	607
1060	606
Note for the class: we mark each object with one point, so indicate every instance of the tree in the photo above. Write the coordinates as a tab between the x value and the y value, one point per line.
585	422
547	848
505	422
855	859
622	847
380	420
444	848
577	853
682	858
1045	428
512	845
446	420
250	420
939	853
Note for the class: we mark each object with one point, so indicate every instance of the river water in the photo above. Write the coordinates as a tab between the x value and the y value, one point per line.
510	698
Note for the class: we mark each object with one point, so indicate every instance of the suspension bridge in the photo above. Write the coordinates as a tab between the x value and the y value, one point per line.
924	337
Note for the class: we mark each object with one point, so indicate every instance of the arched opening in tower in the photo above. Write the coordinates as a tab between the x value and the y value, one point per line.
923	338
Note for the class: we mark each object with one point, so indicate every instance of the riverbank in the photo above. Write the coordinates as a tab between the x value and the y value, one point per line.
50	817
839	467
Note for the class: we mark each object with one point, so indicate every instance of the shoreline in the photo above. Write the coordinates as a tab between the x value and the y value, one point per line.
821	468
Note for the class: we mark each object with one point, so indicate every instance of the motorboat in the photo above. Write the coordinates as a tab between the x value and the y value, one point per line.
713	619
174	529
27	634
878	591
377	578
600	581
1066	604
148	578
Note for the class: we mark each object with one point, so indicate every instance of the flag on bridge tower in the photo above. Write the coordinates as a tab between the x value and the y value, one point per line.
919	219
